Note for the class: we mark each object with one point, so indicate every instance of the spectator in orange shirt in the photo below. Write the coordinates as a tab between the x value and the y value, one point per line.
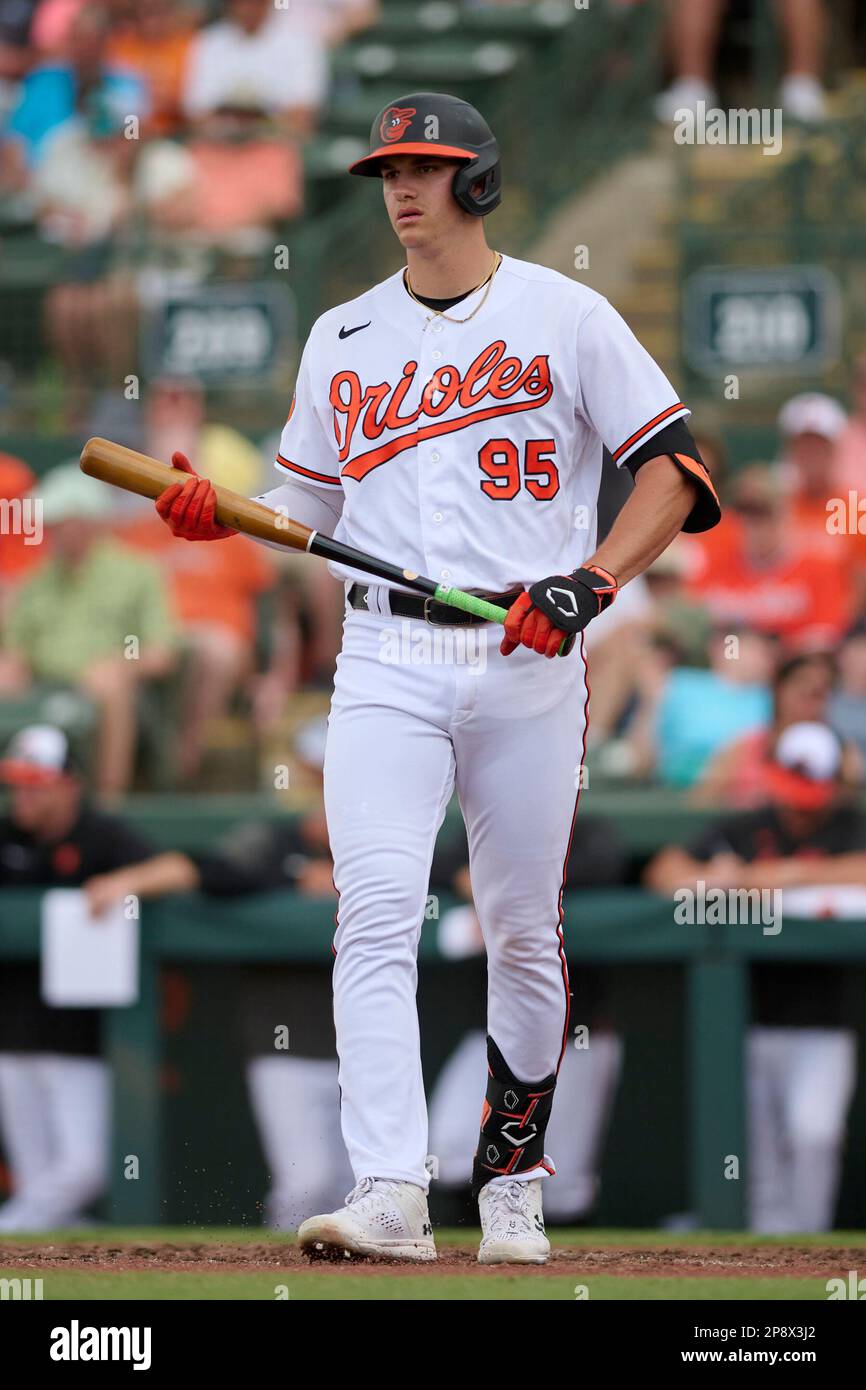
825	521
811	425
215	588
223	192
154	42
770	581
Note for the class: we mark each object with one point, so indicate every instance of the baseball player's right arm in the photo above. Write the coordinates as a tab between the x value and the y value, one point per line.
312	491
311	506
188	509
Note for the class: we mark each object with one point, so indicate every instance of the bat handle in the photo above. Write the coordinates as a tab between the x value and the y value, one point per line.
480	607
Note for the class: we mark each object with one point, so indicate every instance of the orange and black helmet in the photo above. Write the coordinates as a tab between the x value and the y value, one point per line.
437	124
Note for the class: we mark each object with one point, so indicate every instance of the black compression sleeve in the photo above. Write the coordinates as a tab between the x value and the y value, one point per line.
677	443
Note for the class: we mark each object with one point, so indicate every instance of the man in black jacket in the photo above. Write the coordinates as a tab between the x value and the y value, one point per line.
54	1086
807	846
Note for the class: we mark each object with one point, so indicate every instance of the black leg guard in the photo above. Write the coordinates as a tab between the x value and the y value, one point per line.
513	1122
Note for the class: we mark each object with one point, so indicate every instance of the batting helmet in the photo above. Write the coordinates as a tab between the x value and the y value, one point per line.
438	124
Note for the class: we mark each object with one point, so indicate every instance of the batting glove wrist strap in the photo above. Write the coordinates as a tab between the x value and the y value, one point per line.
602	583
513	1122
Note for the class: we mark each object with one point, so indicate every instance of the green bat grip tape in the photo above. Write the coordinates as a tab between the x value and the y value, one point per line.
471	603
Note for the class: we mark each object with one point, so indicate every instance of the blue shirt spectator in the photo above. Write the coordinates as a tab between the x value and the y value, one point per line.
83	85
51	97
700	711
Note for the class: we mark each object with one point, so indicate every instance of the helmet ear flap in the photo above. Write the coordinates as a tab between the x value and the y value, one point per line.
485	168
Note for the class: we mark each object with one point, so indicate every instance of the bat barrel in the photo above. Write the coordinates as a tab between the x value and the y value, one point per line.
122	467
134	472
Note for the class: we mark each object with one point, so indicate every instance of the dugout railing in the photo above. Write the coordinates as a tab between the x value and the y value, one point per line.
622	928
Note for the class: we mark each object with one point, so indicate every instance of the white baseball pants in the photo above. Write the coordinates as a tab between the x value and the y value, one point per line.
295	1101
800	1085
416	711
55	1115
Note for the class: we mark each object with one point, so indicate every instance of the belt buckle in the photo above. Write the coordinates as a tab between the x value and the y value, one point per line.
434	622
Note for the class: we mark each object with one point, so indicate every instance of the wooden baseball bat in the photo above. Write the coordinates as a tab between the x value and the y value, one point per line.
134	472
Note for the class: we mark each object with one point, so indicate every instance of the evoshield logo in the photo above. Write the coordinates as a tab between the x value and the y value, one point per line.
564	601
77	1343
518	1134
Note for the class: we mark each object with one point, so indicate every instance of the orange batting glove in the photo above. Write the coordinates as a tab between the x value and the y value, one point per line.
189	509
556	609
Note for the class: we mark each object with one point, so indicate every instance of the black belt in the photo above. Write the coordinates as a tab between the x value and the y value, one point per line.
430	610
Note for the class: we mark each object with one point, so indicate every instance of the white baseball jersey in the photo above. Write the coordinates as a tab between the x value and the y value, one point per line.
471	452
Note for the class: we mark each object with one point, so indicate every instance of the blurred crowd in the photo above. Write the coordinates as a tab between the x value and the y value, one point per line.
136	137
101	602
734	634
114	110
730	636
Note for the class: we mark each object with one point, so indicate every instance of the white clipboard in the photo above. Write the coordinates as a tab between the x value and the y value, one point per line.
87	961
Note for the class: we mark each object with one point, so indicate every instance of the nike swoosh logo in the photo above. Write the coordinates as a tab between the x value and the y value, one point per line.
347	332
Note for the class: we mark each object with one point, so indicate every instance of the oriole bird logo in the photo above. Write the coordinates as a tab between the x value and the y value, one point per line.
395	121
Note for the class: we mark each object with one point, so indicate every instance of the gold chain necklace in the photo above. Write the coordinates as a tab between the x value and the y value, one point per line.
440	313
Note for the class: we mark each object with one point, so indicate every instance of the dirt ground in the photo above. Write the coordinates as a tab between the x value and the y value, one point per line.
676	1262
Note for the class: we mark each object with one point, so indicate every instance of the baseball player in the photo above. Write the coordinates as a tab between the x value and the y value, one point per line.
453	417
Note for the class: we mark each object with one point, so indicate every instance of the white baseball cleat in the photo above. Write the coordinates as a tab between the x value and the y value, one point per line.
381	1218
512	1224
